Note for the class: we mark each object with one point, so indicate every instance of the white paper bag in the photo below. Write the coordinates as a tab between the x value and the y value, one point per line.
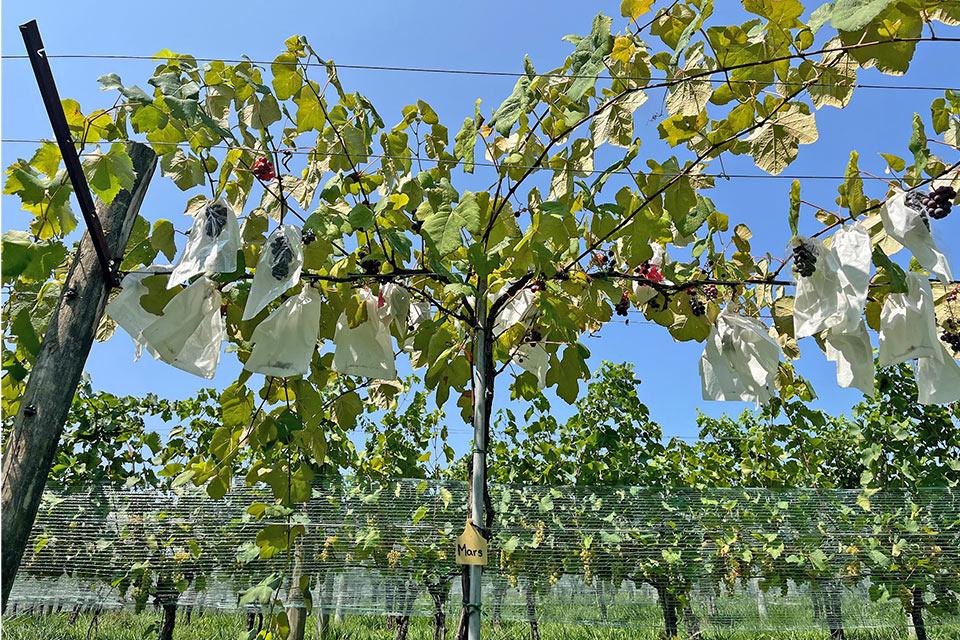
125	309
739	361
365	350
818	299
284	342
907	227
394	305
278	269
938	378
212	246
189	333
836	293
908	327
535	359
853	355
518	310
418	313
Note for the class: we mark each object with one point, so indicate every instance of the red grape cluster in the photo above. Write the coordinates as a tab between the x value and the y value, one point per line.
650	272
804	258
710	292
263	169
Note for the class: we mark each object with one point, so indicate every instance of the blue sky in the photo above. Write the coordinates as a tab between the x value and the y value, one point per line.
493	35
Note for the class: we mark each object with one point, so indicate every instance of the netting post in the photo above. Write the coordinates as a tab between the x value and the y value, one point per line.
482	395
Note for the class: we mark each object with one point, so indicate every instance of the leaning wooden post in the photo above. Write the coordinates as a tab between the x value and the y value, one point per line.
32	444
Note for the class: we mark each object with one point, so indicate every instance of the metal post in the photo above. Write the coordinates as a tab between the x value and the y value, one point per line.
482	356
61	130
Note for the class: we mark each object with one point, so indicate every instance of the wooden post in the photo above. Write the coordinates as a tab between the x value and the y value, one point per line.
36	431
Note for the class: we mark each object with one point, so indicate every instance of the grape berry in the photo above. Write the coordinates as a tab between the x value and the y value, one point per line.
804	258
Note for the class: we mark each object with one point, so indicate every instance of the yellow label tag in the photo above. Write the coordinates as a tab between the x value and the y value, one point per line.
471	546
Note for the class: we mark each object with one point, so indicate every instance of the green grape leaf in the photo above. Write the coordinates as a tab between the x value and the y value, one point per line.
161	238
465	142
775	144
794	214
853	15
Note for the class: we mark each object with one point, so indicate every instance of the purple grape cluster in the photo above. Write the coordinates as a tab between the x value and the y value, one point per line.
215	219
937	204
697	306
804	258
951	334
623	307
282	256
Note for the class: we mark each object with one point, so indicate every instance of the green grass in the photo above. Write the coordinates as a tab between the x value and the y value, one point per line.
125	625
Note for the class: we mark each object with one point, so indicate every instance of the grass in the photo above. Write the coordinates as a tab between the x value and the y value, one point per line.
126	625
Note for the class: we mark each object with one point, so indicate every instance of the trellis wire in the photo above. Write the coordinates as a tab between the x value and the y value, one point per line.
588	553
478	72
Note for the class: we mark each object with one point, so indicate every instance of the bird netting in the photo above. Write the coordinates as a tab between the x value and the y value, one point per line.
632	556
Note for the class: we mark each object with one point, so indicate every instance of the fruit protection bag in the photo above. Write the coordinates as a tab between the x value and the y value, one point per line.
393	305
212	245
852	352
189	333
938	378
836	293
519	309
739	361
418	313
908	227
284	342
908	327
535	359
125	309
365	350
278	269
